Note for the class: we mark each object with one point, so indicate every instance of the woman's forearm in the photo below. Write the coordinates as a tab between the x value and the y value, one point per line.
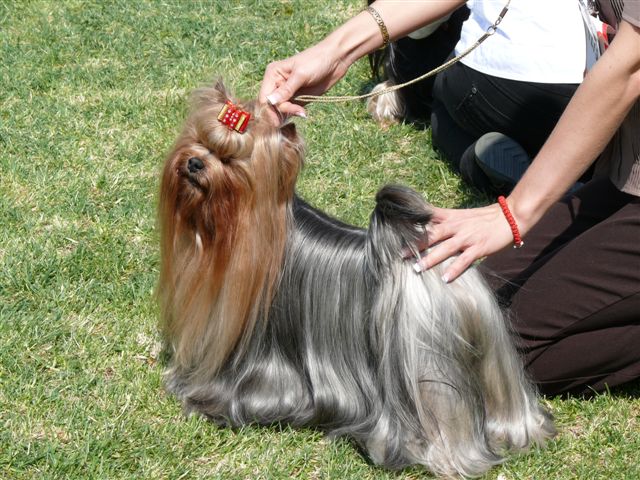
361	34
588	123
316	69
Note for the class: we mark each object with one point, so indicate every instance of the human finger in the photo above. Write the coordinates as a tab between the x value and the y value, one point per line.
286	89
287	109
459	265
438	231
279	116
437	255
275	73
433	234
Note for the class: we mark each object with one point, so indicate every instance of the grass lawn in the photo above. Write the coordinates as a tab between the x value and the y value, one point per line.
92	94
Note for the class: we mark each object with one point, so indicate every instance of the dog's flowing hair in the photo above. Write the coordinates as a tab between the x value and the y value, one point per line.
274	312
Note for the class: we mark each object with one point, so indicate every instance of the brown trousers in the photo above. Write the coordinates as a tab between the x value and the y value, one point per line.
573	291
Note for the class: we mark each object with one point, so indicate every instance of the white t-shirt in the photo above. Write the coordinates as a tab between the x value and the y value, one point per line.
539	41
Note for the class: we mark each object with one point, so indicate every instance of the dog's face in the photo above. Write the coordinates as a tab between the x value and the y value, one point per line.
214	172
224	197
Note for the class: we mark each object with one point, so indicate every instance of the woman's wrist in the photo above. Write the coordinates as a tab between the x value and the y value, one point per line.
356	38
366	32
511	221
526	211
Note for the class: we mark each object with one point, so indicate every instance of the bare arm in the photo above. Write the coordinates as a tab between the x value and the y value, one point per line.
590	120
588	123
361	34
316	69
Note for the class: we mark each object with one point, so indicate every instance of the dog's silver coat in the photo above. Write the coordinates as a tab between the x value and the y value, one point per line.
357	344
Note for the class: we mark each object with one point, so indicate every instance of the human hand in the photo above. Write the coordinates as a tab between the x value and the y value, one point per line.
310	72
469	233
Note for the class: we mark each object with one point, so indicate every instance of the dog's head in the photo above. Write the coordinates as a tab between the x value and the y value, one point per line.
214	172
224	203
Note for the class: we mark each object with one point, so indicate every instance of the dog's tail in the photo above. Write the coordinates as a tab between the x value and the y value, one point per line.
398	224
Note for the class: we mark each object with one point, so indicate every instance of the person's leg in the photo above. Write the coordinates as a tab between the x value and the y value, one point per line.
450	131
446	135
410	58
478	103
573	292
525	111
494	163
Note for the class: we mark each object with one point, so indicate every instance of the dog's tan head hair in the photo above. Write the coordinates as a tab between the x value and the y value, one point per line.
223	210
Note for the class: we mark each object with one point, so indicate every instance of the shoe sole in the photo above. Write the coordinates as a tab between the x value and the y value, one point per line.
501	158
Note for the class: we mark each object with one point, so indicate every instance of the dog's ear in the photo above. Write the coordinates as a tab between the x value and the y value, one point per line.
291	158
221	89
288	131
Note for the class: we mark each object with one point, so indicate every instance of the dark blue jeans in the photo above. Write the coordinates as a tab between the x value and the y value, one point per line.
468	104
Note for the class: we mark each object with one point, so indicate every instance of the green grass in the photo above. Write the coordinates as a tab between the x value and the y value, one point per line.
91	97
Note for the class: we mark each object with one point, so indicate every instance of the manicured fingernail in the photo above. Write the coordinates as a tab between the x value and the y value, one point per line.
417	267
273	99
445	278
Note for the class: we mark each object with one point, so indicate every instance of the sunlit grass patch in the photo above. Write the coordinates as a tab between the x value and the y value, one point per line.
92	96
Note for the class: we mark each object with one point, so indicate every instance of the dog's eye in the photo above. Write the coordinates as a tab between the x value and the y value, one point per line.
194	164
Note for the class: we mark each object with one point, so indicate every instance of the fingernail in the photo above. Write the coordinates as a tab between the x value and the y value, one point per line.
445	278
301	115
273	99
417	267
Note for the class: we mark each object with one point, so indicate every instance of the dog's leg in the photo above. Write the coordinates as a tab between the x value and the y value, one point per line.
514	417
441	366
388	107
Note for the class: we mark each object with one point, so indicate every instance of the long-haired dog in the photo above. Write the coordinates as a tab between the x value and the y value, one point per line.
275	312
406	59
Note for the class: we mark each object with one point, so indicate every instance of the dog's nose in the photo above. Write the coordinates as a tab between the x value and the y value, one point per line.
195	165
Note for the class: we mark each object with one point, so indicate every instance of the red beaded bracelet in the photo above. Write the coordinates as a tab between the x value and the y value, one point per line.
517	239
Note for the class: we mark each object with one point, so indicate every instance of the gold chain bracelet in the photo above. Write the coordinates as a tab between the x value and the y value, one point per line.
383	28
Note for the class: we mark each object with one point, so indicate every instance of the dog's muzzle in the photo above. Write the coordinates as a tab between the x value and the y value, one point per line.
194	164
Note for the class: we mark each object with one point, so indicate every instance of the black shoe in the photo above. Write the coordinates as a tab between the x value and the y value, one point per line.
494	163
471	172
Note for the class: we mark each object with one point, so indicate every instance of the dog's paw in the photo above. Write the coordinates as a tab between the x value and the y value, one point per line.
386	108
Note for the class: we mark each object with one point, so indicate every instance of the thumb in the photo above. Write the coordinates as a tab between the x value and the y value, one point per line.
285	91
281	96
